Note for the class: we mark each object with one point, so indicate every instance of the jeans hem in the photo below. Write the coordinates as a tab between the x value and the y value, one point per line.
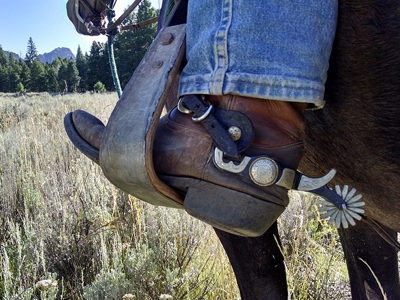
270	87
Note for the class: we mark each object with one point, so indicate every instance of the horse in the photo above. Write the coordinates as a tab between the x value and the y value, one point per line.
358	132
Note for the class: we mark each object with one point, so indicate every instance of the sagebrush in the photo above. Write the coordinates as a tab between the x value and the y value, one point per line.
67	233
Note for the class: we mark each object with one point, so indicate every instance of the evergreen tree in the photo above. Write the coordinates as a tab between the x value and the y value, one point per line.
31	52
68	76
73	76
80	62
3	71
10	76
11	60
38	77
95	66
15	75
81	65
25	75
4	79
3	58
52	78
130	46
62	76
106	76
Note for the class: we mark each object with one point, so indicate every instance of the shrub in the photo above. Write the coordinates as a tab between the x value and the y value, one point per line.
62	222
20	88
99	87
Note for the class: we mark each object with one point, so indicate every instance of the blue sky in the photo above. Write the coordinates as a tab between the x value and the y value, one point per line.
46	21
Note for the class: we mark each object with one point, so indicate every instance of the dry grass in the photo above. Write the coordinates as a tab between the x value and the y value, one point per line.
61	220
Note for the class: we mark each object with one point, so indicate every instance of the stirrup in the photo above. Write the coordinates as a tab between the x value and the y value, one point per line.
126	154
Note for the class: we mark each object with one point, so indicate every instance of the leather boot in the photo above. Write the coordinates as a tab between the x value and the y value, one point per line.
183	156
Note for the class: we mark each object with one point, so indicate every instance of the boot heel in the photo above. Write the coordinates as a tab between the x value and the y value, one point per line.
230	210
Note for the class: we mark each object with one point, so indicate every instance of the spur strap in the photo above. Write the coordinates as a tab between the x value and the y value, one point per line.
231	131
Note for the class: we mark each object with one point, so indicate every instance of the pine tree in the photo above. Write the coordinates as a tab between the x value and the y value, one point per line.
3	58
11	60
63	76
52	78
68	76
73	76
4	77
3	71
81	65
31	52
25	75
95	66
10	76
38	77
106	76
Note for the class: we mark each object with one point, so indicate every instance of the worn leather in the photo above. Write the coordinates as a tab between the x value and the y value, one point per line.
183	148
89	127
91	11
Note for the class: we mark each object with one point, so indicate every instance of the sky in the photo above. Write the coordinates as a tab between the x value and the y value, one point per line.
46	21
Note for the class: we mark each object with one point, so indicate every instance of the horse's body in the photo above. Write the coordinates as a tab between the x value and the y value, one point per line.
358	132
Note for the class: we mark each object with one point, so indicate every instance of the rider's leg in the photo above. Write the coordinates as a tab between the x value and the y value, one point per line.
277	50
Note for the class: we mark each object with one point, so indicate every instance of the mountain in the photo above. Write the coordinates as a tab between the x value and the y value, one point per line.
58	52
15	55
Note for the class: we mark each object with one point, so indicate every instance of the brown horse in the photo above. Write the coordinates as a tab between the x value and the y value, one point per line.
358	132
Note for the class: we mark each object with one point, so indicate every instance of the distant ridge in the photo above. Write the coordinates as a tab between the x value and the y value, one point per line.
60	52
15	55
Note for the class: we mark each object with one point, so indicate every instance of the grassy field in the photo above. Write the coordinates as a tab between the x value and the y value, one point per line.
67	233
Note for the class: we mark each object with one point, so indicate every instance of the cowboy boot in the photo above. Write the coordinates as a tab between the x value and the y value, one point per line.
184	158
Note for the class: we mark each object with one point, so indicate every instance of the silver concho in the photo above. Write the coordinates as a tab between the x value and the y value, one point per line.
263	171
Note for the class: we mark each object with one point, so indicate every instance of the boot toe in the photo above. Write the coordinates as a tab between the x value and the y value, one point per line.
85	131
89	127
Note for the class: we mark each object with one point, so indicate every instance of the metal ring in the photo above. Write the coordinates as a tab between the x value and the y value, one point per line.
203	116
183	109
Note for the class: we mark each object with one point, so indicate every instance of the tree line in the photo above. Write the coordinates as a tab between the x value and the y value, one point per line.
88	71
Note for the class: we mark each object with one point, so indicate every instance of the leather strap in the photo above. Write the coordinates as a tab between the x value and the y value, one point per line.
217	122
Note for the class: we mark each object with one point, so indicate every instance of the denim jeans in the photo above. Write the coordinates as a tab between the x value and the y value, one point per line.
271	49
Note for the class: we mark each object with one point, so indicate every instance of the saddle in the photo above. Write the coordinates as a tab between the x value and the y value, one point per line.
88	16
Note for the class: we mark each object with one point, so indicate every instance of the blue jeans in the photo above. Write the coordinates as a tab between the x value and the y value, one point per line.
270	49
